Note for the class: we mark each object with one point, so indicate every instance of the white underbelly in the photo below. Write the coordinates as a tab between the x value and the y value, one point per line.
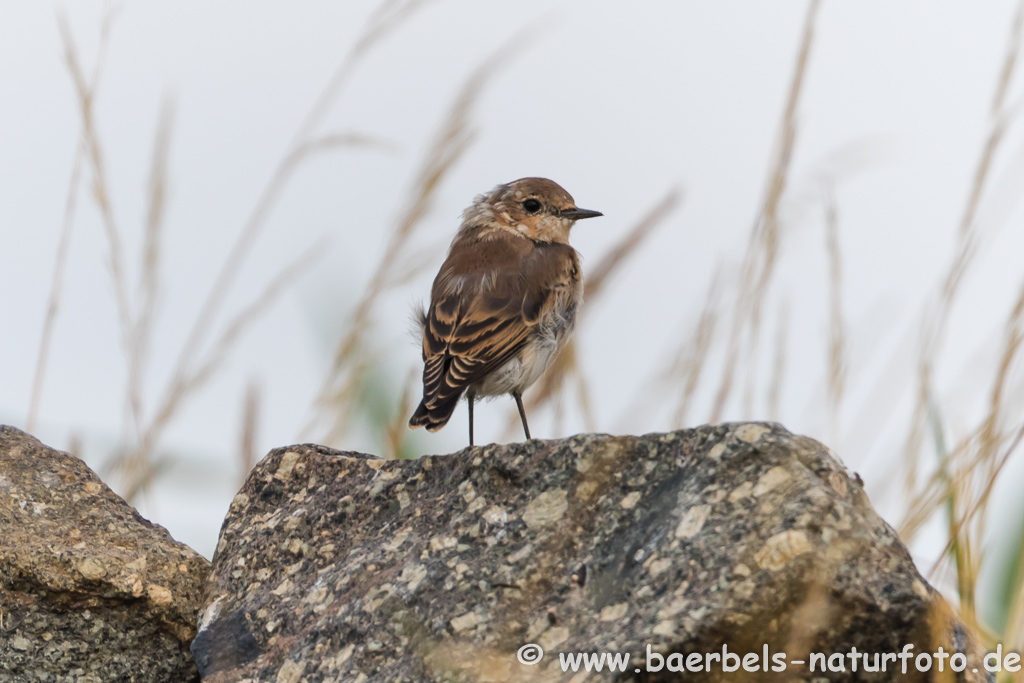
521	372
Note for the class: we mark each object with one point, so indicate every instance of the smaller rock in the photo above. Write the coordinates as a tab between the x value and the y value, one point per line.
86	584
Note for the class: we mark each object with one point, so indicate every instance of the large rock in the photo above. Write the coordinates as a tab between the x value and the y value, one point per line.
338	566
90	591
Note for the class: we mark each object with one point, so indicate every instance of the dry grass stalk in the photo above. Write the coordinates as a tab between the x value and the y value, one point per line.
332	141
993	433
135	325
250	423
990	437
75	445
101	195
957	465
586	407
691	358
932	493
56	284
967	241
100	186
351	357
86	90
966	521
149	271
961	549
836	345
966	476
778	364
762	249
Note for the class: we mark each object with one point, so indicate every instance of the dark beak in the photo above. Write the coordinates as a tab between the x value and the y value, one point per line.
580	214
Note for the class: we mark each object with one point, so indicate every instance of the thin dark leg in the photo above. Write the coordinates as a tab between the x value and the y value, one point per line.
522	414
469	401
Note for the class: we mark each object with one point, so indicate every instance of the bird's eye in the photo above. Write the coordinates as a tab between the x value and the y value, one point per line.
531	205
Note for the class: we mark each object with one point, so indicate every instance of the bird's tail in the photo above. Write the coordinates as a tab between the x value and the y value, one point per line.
435	416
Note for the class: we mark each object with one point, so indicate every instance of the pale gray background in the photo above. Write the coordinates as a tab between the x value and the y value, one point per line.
616	101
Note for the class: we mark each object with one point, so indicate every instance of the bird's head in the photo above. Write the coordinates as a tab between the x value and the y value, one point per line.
537	208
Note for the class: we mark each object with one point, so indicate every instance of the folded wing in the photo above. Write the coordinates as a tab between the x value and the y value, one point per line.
482	313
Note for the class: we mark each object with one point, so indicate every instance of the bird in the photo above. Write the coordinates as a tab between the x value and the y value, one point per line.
504	302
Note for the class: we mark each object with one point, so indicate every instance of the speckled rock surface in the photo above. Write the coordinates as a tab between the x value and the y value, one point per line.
337	566
90	591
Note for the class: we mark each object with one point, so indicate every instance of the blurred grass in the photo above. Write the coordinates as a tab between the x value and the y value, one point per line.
946	480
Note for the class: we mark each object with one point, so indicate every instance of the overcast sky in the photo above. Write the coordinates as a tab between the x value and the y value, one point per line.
618	102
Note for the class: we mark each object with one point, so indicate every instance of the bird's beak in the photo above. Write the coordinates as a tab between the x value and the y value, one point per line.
579	214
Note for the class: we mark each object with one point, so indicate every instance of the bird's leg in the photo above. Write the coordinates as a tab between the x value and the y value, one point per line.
522	413
469	402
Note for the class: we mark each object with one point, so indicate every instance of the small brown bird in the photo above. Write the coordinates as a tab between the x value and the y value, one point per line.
504	301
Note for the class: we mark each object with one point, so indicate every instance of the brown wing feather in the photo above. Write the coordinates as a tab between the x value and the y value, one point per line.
486	299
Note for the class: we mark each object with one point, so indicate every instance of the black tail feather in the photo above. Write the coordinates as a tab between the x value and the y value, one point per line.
436	416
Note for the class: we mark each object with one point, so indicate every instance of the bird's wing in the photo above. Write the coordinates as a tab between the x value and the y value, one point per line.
479	320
